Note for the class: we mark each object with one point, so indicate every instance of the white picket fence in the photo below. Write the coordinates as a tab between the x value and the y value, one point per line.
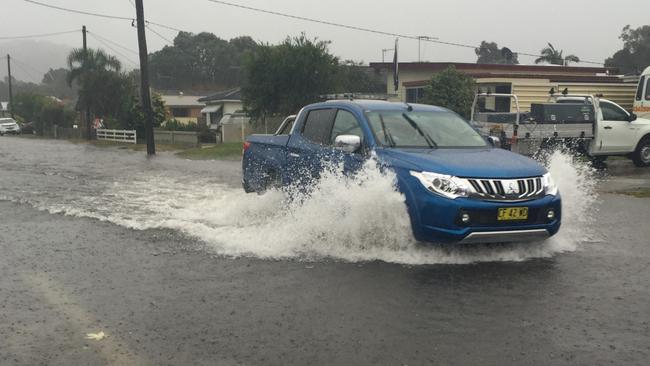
117	135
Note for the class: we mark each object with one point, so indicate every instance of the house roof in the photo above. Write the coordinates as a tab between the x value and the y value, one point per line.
438	66
182	101
554	78
230	94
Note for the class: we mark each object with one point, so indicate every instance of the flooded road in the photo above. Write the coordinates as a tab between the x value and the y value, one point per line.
177	266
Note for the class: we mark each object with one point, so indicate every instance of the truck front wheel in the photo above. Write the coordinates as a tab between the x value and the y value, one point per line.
641	156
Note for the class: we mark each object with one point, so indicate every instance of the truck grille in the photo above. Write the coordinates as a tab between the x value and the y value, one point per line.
507	189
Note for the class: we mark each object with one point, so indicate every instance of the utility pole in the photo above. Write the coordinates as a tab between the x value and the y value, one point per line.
145	97
11	95
89	134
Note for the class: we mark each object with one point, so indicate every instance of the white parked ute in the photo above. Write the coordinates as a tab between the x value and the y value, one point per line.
592	125
9	125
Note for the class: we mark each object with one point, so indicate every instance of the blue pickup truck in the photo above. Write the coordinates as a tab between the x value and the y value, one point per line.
458	187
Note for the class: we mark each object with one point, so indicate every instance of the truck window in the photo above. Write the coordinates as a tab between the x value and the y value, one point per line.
345	124
639	90
647	90
612	113
318	126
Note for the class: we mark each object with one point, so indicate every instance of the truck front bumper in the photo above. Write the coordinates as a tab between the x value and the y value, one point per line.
437	219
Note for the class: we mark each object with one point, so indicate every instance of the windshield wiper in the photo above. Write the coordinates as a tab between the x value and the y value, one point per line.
432	144
387	135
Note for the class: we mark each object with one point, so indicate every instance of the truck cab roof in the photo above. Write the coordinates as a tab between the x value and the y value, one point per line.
377	105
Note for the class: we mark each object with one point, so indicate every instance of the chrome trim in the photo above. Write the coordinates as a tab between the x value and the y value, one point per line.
505	236
511	190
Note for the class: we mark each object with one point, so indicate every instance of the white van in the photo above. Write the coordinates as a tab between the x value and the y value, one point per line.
642	98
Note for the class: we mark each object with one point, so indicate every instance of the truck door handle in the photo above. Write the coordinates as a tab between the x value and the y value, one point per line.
608	127
294	155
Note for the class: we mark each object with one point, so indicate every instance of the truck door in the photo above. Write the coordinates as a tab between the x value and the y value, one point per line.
616	133
345	123
308	148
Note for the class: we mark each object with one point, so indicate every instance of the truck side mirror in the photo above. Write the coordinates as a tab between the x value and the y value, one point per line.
347	143
495	141
632	117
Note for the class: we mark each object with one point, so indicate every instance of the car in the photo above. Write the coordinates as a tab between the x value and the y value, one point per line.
27	128
458	187
589	124
9	126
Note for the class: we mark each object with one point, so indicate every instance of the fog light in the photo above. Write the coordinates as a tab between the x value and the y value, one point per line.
465	218
550	214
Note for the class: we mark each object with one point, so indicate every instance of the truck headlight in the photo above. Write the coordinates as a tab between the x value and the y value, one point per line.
549	185
444	185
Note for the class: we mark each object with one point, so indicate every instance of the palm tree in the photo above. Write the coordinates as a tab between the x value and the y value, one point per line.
555	57
89	68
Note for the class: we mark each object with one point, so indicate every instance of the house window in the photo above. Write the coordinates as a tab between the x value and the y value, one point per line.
414	95
180	112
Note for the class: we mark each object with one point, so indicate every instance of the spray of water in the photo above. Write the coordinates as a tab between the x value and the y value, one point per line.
360	218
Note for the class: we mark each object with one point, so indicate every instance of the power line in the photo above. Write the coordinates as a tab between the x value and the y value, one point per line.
94	34
40	35
165	26
160	35
79	11
362	29
112	49
108	16
26	68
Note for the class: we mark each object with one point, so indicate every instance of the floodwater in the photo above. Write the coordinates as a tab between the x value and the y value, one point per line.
349	219
177	266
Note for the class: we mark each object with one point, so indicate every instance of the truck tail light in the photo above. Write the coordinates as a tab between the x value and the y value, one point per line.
247	144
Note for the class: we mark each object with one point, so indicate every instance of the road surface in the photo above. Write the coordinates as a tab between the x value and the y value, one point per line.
81	256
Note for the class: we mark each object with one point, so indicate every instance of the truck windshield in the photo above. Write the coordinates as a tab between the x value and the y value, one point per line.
423	129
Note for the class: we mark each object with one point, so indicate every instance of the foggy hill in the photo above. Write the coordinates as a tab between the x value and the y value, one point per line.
31	59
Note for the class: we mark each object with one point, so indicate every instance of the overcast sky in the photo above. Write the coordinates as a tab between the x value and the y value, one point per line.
588	29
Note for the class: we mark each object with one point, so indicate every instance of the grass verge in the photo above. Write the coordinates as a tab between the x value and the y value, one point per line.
227	151
638	193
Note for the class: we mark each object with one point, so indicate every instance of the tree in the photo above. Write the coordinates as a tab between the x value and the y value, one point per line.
134	118
55	83
451	89
281	79
490	53
200	61
635	55
357	77
555	57
102	85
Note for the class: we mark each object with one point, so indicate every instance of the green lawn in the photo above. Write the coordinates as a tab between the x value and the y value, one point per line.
639	193
228	151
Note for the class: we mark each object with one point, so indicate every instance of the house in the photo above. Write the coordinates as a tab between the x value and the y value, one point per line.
184	108
4	109
220	104
531	83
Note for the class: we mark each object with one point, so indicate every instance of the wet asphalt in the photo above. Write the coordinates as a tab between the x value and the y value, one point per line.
161	299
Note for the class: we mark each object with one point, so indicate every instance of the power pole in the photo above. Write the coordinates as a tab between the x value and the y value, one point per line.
89	135
145	97
11	95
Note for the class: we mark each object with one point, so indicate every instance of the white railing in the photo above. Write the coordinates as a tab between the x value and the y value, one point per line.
117	135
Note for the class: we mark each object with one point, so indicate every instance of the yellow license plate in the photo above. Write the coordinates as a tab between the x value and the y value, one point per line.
512	213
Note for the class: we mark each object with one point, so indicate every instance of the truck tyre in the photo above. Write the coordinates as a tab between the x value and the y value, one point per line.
641	156
271	181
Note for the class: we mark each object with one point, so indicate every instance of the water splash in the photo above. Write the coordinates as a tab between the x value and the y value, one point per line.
360	218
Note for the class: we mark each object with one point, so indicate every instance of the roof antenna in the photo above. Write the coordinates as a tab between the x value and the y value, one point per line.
408	107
